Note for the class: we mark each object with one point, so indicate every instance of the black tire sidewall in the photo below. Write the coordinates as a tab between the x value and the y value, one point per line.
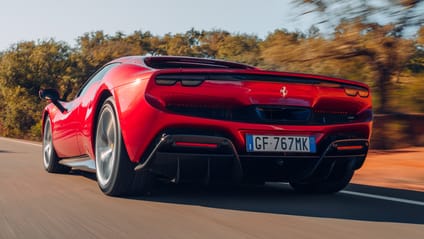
337	181
53	166
121	172
48	127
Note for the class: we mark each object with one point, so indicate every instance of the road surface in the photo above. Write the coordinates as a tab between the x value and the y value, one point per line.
396	168
36	204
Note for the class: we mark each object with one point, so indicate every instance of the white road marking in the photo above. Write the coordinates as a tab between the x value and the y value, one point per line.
368	195
21	141
393	199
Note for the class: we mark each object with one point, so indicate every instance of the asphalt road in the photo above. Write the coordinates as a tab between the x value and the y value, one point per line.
36	204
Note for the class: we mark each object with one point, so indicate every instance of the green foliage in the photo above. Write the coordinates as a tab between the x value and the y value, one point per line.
24	69
31	65
358	33
96	48
19	111
357	51
240	48
409	93
416	63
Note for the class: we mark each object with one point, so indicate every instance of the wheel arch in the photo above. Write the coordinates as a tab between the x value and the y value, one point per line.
43	121
46	113
98	106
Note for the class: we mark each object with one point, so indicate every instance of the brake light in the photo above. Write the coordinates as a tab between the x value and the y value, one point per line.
354	91
351	92
363	93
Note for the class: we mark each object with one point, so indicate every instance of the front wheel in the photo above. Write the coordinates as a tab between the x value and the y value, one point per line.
114	170
50	158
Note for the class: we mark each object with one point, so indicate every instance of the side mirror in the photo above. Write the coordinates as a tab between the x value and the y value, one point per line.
53	96
49	94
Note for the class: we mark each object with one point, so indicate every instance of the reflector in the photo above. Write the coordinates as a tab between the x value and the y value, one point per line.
197	145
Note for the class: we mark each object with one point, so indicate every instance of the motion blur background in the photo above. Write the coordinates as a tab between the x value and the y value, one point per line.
379	42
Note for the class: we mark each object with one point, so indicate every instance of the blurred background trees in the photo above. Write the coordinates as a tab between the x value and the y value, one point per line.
375	30
24	68
379	42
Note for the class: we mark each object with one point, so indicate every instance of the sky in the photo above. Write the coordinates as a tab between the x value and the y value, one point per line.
23	20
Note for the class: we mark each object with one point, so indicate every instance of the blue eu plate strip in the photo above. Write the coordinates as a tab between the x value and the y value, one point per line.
312	145
249	143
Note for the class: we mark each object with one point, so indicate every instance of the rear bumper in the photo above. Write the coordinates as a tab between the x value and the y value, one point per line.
209	159
142	124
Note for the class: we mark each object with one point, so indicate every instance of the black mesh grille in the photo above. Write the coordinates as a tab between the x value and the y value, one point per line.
235	114
283	114
263	114
321	117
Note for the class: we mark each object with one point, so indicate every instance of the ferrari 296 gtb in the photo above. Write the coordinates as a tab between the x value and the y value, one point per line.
186	119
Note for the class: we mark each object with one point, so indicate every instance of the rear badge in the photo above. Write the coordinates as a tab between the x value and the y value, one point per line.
284	91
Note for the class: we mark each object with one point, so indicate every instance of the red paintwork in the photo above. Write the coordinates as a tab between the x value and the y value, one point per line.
142	115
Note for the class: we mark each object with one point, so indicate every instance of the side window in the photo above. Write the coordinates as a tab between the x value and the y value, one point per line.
96	77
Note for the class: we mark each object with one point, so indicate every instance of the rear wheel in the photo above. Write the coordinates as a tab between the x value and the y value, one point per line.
50	158
337	180
114	170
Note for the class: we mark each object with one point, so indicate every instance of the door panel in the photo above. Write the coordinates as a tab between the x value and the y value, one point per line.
86	112
65	129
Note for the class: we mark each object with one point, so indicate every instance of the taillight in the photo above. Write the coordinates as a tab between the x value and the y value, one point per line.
165	81
354	91
363	93
186	80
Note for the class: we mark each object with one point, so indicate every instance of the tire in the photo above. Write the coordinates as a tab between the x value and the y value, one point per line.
337	180
114	170
50	158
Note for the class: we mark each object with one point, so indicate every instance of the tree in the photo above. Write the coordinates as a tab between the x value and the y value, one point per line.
416	63
34	64
241	48
96	49
24	69
146	41
210	41
177	45
281	48
359	34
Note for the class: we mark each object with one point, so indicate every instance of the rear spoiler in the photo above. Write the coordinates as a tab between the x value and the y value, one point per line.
195	79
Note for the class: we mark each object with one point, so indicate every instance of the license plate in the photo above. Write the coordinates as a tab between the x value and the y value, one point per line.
273	143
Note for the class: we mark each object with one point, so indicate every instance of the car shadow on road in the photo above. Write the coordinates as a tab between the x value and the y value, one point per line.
278	198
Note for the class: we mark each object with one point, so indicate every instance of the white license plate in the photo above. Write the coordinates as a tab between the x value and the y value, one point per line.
274	143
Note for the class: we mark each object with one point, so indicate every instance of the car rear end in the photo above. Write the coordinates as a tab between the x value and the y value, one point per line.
209	124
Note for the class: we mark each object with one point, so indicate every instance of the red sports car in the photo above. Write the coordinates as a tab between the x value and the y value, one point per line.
189	119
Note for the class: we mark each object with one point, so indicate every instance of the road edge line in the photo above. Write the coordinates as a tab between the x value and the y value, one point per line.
393	199
33	143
